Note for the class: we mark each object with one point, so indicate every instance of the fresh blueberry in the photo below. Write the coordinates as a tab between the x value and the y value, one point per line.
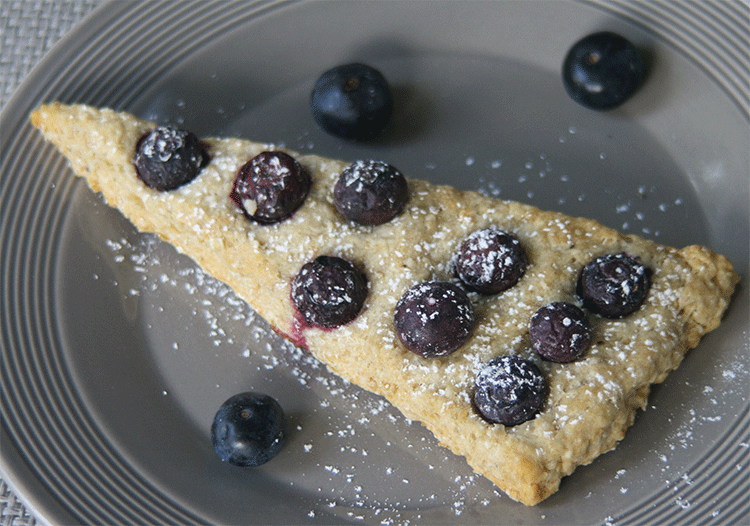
614	285
560	332
602	70
329	292
490	261
509	390
434	319
270	187
370	192
352	101
248	429
167	158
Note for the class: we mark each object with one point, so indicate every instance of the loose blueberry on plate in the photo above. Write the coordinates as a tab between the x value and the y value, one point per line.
370	192
270	187
509	390
352	101
603	70
490	261
560	332
167	158
248	429
614	285
434	319
328	292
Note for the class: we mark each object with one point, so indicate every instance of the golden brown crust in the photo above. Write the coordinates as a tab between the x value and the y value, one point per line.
591	402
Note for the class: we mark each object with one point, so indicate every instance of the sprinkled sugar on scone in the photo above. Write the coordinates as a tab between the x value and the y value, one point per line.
571	412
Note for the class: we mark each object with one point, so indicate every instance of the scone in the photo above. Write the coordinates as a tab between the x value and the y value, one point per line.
524	340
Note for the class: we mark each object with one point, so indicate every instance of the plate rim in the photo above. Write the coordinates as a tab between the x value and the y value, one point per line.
106	12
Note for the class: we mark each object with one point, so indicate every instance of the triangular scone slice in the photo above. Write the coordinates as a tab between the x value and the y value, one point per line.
591	402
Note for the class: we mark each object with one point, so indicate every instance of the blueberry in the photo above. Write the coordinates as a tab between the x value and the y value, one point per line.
490	261
329	292
370	192
602	70
560	332
614	285
270	187
509	390
248	429
167	158
434	319
352	101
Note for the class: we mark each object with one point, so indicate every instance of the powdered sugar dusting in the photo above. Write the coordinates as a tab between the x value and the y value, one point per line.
338	480
344	433
607	384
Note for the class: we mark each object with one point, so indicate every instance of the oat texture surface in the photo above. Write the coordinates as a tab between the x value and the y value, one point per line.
591	401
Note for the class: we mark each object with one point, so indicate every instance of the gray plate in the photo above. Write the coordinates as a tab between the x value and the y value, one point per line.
117	350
